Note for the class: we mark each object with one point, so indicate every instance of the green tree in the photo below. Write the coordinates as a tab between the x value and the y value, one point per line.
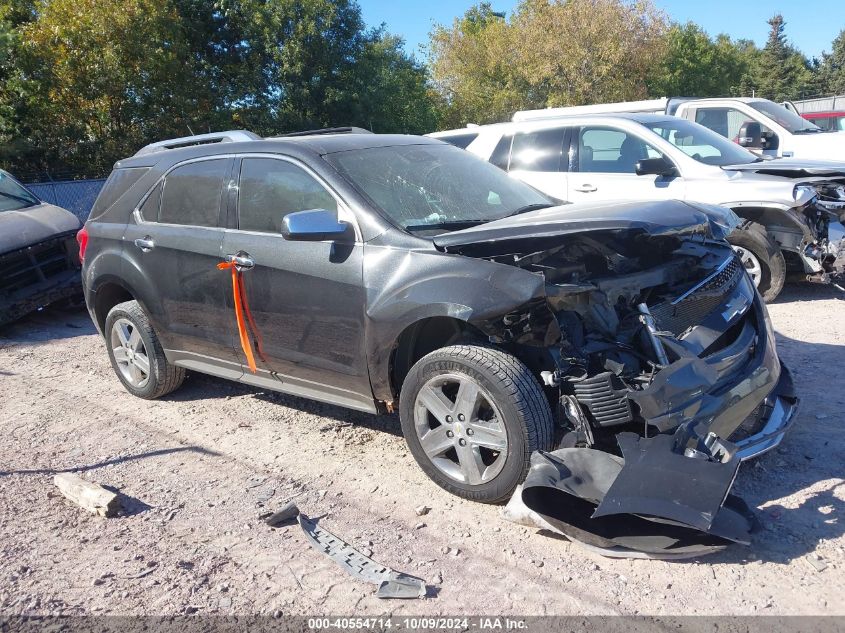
695	65
550	53
782	71
831	70
95	79
87	82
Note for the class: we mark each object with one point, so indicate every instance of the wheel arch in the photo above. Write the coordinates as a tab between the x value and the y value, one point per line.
423	337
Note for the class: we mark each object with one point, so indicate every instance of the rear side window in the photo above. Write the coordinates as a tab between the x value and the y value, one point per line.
150	206
502	153
192	193
460	140
118	183
537	151
269	189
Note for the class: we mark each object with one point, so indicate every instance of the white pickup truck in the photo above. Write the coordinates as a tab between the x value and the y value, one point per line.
788	204
762	126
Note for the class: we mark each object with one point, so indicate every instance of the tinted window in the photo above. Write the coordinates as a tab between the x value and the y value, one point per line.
537	151
502	153
150	206
606	150
118	183
270	189
459	140
787	118
192	193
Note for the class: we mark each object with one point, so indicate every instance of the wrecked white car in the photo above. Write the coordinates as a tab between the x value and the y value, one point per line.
39	261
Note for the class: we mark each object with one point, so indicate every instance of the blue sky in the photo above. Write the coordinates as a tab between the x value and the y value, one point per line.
810	25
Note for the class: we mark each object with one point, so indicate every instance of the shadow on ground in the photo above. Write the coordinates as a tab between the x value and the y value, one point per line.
46	325
805	291
203	387
111	462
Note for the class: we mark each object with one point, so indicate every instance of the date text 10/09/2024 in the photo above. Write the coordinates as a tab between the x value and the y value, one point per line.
480	623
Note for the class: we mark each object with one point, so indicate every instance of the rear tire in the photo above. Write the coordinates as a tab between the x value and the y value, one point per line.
491	414
762	258
136	354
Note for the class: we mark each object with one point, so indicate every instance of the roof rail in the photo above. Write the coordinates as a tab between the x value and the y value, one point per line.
327	130
649	105
231	136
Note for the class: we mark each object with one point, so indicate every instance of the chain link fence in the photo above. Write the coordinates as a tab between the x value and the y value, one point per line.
77	196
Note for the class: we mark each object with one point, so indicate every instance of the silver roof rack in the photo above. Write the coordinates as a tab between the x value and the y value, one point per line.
231	136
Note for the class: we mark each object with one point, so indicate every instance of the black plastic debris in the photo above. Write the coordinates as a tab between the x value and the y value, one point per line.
391	584
565	489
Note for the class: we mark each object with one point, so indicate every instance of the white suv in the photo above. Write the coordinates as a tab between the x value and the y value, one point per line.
787	204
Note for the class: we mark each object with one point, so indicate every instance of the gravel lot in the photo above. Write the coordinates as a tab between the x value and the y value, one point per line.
199	466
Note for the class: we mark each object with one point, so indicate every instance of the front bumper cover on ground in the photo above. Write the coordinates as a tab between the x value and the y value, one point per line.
659	499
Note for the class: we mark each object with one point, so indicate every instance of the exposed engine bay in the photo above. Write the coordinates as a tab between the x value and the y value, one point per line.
666	379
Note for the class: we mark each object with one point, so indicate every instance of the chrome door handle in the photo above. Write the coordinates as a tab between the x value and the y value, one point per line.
242	262
146	244
586	188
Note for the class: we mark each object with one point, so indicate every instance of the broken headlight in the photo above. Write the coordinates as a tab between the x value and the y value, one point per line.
802	194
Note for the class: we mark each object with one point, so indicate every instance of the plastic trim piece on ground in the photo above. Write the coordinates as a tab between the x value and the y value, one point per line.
391	584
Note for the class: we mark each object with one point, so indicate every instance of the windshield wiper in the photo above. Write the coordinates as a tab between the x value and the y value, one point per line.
528	208
27	201
808	130
451	225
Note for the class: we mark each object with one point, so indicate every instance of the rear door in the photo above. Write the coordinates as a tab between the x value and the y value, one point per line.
306	298
174	245
604	168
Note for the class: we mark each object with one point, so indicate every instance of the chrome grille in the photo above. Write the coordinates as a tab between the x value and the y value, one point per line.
692	307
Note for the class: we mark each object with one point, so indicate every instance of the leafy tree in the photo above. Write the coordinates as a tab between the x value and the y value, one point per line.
550	53
89	81
695	65
98	78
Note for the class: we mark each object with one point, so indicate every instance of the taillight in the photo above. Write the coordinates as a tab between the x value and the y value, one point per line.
82	238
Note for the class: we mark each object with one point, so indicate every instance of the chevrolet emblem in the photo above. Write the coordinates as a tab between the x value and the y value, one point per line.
735	306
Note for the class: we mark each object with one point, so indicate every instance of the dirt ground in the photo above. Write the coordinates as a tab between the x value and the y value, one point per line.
199	466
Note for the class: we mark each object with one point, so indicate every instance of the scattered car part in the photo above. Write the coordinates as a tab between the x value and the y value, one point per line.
564	488
287	514
38	253
391	584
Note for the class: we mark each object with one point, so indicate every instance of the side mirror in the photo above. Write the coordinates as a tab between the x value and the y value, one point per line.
655	167
314	225
751	135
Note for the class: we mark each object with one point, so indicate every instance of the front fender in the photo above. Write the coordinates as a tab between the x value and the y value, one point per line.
407	286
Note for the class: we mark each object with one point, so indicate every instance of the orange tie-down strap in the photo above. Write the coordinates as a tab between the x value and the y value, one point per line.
241	308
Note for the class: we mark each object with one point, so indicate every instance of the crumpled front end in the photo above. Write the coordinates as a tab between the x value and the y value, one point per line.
667	378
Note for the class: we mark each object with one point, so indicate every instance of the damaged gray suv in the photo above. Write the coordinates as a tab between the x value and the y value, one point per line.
386	273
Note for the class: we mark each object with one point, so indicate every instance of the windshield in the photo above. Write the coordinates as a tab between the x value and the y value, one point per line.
435	187
13	195
701	143
785	118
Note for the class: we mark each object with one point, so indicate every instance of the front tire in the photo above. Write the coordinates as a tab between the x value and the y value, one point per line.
762	259
472	416
136	354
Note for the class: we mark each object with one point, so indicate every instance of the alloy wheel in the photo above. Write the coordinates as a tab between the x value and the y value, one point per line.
750	263
460	429
129	352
